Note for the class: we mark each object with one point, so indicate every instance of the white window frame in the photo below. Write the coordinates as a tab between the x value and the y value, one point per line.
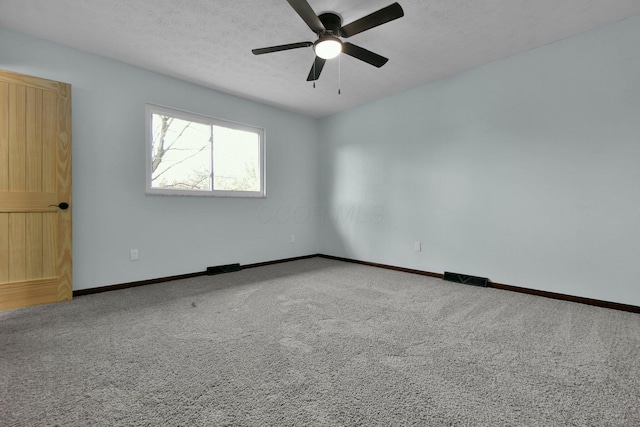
199	118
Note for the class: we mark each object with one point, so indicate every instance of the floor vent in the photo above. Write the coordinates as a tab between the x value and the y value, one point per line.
222	269
465	279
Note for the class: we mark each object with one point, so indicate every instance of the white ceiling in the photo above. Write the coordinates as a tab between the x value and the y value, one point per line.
209	42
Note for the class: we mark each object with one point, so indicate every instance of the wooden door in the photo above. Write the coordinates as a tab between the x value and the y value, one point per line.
35	178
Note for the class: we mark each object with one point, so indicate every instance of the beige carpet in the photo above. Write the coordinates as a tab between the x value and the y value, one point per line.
318	342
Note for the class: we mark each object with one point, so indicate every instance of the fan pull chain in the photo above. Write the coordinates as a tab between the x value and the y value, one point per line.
339	74
314	71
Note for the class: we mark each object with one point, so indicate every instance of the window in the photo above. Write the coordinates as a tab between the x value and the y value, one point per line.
190	154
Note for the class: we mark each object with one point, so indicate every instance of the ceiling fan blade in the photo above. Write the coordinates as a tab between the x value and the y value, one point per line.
316	69
382	16
307	14
271	49
364	54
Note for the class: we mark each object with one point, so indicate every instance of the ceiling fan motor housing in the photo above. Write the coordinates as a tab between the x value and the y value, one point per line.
332	22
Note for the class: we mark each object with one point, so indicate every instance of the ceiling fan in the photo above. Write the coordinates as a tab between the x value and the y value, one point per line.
328	27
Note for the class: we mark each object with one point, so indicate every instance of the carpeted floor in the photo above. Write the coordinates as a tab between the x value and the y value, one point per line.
318	342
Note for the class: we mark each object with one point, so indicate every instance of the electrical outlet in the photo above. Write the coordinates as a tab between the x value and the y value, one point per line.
293	238
134	254
417	246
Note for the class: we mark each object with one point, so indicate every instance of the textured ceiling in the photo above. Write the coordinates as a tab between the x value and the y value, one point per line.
209	42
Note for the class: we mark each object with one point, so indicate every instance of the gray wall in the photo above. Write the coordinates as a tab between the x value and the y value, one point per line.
526	171
175	235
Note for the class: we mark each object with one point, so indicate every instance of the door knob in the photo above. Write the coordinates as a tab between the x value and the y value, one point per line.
62	205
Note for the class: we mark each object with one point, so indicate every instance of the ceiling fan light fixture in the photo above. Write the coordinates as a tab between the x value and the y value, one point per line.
328	47
328	28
